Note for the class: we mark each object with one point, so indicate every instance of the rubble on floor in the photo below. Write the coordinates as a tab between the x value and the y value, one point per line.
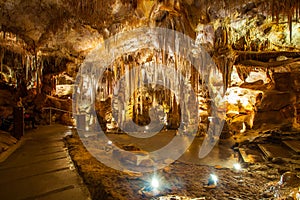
274	146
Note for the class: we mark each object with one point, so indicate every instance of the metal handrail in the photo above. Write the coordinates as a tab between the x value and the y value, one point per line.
57	109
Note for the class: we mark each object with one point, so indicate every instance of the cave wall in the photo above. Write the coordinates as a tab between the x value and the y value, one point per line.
267	99
38	46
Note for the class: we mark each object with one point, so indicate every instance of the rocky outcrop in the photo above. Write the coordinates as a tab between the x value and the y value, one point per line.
270	100
277	108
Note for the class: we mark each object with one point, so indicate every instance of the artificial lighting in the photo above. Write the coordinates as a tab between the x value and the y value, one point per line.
210	118
109	142
154	183
237	166
213	179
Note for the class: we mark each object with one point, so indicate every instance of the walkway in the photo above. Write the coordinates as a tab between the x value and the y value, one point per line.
41	169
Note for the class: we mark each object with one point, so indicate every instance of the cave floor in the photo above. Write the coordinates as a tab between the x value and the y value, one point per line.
41	168
221	155
188	176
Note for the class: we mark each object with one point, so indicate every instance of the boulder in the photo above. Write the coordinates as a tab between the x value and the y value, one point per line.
275	101
283	81
295	79
276	108
134	158
271	118
287	81
289	179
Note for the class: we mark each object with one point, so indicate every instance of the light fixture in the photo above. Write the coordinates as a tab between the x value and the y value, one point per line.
154	183
237	166
213	179
109	146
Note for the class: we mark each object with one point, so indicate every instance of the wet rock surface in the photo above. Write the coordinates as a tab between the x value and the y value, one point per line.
264	180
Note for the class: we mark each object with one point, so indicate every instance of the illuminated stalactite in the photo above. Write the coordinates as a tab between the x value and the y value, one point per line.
223	54
25	71
165	14
281	11
287	8
1	59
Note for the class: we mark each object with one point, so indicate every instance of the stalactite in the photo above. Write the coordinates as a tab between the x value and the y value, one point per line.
273	10
297	10
287	8
26	68
41	75
1	57
290	21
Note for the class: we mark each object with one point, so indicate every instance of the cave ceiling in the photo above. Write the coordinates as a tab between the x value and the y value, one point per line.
70	28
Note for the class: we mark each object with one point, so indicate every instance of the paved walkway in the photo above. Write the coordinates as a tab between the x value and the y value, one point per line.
41	169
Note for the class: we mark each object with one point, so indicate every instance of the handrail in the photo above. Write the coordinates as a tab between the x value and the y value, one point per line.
57	109
53	108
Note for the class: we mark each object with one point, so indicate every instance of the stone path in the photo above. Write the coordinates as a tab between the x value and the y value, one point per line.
41	169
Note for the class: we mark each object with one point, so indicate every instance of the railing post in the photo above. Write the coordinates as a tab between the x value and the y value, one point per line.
50	116
18	122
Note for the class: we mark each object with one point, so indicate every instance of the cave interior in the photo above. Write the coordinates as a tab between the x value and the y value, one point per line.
244	88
